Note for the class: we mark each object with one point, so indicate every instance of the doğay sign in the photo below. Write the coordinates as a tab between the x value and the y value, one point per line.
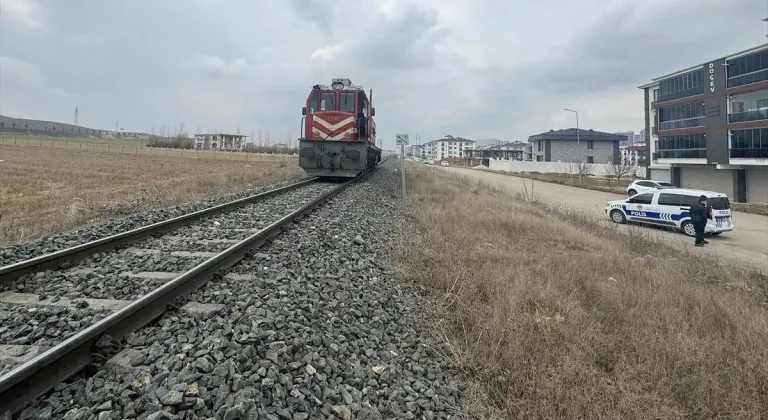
711	77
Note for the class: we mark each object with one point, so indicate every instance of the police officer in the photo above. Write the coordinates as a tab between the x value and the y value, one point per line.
699	219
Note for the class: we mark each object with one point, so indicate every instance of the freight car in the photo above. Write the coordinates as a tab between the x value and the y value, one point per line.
338	132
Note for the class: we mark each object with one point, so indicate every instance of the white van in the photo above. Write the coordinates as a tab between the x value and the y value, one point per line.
671	207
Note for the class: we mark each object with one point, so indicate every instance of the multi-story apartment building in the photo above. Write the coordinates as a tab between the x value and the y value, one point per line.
568	145
707	126
416	151
635	155
447	147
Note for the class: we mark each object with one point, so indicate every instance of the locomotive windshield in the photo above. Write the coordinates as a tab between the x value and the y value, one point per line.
322	101
347	101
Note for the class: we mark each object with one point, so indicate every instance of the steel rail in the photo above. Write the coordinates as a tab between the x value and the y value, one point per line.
38	375
12	272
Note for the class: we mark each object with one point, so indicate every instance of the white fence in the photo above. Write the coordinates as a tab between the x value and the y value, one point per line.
597	169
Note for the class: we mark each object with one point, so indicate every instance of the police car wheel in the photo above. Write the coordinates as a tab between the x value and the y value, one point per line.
618	217
688	229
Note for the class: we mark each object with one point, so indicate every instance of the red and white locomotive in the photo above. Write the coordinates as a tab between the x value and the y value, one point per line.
339	134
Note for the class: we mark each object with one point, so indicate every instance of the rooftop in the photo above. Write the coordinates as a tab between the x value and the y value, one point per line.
220	134
635	147
449	138
656	80
570	134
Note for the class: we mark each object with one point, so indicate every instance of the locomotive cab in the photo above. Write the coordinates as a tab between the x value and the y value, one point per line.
338	131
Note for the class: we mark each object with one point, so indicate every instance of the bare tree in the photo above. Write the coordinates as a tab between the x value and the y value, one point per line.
581	168
585	168
620	170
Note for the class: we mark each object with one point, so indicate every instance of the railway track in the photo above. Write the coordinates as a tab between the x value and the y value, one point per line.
120	283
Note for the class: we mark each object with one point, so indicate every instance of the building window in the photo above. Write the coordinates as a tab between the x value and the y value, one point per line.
682	146
681	86
538	146
590	144
750	143
539	158
682	116
752	106
590	159
748	69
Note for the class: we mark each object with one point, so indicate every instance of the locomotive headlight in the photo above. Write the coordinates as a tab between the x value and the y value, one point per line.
337	85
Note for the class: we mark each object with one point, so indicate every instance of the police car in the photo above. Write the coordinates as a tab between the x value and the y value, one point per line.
671	207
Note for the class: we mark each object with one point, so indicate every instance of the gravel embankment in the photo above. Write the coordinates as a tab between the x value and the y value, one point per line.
108	279
19	252
323	330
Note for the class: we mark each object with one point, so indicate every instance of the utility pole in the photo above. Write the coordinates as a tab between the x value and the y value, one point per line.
181	128
578	141
402	141
402	170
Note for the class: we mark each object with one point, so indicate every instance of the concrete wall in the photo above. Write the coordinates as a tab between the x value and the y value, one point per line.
552	167
565	151
757	185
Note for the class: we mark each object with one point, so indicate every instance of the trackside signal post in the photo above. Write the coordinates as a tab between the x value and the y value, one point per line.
402	141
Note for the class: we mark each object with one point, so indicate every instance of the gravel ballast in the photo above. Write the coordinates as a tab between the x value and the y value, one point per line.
19	252
106	279
315	326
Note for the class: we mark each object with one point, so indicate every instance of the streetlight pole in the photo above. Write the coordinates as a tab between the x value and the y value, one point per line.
578	141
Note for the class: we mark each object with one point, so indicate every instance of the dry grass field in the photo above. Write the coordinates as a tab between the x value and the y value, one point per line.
588	182
559	316
49	190
66	142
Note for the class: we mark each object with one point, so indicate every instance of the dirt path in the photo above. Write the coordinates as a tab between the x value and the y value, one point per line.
747	243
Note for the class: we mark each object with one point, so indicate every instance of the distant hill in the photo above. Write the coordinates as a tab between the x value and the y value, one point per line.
23	126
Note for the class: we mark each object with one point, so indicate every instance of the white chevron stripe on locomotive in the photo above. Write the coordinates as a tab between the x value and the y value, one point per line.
337	136
336	126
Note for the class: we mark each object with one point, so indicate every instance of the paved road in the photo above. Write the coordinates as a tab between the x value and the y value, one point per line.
747	243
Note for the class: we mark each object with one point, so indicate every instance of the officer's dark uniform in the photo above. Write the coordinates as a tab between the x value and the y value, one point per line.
699	220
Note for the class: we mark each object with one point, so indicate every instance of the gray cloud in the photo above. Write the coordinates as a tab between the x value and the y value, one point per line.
402	43
483	68
320	13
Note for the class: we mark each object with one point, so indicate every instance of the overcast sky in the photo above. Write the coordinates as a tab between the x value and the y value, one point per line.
471	68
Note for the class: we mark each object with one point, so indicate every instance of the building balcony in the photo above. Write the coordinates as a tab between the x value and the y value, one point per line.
680	154
678	124
748	79
748	116
750	153
680	94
